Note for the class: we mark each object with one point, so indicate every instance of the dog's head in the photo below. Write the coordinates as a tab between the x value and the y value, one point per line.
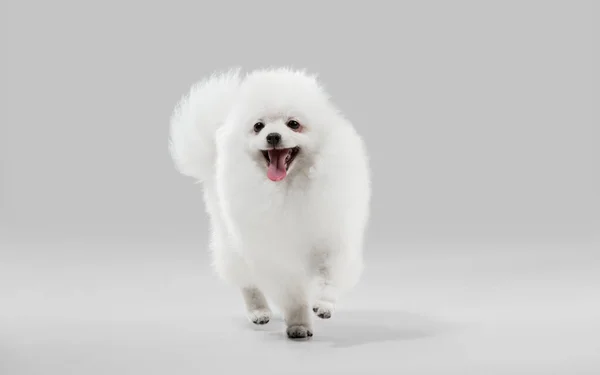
282	117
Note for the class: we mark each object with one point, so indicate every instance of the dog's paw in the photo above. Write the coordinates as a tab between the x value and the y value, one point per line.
298	332
259	316
323	310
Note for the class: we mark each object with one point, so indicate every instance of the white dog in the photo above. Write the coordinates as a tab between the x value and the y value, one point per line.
286	185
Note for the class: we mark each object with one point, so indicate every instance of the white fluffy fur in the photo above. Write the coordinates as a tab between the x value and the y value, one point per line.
297	242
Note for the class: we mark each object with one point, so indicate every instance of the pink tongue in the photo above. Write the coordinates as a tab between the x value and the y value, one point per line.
276	171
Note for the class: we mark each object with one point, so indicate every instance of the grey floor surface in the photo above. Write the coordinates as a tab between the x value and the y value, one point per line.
85	307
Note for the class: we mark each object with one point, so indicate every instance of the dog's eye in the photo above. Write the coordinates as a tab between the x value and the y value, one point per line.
258	127
293	124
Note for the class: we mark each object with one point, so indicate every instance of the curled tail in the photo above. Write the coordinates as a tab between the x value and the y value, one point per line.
195	120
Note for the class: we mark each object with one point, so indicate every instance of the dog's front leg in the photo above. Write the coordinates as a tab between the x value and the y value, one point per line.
257	308
327	292
296	312
333	273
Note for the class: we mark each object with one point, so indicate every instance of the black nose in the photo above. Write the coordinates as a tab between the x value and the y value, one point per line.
273	139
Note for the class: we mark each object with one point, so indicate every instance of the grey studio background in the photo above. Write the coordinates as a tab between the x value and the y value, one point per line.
481	120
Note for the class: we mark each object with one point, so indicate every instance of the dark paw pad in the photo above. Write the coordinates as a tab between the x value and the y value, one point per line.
261	320
323	311
298	332
259	316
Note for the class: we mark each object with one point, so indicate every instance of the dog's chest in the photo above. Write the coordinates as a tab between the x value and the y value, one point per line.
276	215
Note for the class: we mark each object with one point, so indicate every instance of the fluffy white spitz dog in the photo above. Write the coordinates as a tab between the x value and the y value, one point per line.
286	185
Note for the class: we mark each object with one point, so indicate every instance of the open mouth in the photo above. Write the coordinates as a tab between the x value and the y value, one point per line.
279	161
